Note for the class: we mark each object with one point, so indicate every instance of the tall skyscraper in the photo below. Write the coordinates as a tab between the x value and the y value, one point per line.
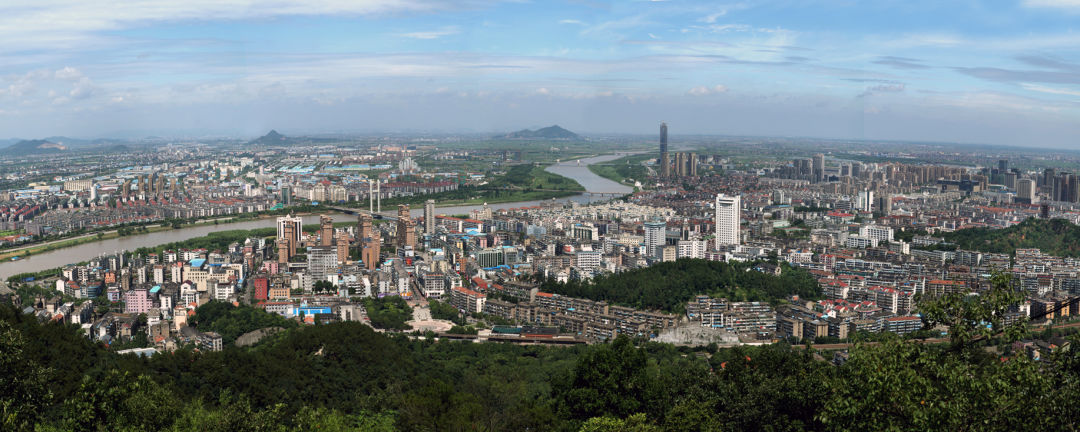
293	236
865	201
369	242
884	204
819	168
655	237
1003	165
286	195
406	228
429	216
728	214
326	231
665	159
1048	178
322	260
1025	191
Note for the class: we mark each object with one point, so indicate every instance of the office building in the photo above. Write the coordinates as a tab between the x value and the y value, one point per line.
655	237
295	233
728	214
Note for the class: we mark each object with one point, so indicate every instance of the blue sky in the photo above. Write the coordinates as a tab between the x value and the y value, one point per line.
1002	72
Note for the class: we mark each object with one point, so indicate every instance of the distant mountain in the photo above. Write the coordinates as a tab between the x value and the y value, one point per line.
271	138
33	147
550	132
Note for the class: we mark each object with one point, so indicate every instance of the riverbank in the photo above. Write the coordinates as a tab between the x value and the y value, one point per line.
624	170
81	248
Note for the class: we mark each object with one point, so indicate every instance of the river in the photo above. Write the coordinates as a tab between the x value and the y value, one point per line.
61	257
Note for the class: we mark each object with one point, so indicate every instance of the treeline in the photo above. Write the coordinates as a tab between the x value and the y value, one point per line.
345	376
667	286
219	240
1053	236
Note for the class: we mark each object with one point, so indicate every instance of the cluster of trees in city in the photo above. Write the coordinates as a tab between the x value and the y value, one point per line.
1053	236
218	240
345	376
521	182
444	311
232	321
668	286
389	313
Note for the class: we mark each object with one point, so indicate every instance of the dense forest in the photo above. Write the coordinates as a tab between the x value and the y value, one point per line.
1053	236
668	286
345	376
232	321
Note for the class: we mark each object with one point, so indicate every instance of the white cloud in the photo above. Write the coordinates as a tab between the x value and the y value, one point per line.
67	23
543	91
434	34
704	91
68	73
82	89
571	21
711	18
1050	90
1054	4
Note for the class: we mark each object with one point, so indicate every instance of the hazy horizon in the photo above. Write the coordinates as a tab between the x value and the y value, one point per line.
919	71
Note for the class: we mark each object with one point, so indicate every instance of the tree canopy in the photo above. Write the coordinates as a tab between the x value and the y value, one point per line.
1053	236
668	286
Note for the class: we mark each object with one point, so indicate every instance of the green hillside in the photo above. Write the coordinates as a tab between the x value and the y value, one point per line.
1054	236
668	286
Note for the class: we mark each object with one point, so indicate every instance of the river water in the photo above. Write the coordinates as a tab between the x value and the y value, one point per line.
61	257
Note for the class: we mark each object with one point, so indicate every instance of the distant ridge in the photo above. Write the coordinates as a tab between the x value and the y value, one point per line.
33	147
550	132
271	138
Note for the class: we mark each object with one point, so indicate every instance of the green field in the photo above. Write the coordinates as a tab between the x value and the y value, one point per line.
619	170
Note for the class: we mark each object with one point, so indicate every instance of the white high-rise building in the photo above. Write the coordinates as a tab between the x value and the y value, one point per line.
298	227
865	201
728	214
655	237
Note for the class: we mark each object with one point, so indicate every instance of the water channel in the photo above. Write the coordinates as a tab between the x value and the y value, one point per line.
61	257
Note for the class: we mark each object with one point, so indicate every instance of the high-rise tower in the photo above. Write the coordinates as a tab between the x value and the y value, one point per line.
819	168
429	217
406	228
665	159
728	214
326	230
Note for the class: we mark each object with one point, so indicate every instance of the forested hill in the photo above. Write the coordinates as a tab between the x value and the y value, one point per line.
668	286
1053	236
345	376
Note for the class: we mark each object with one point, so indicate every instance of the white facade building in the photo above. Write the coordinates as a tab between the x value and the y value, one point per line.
728	214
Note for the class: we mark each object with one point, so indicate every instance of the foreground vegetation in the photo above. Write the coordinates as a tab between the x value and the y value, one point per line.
346	376
668	286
